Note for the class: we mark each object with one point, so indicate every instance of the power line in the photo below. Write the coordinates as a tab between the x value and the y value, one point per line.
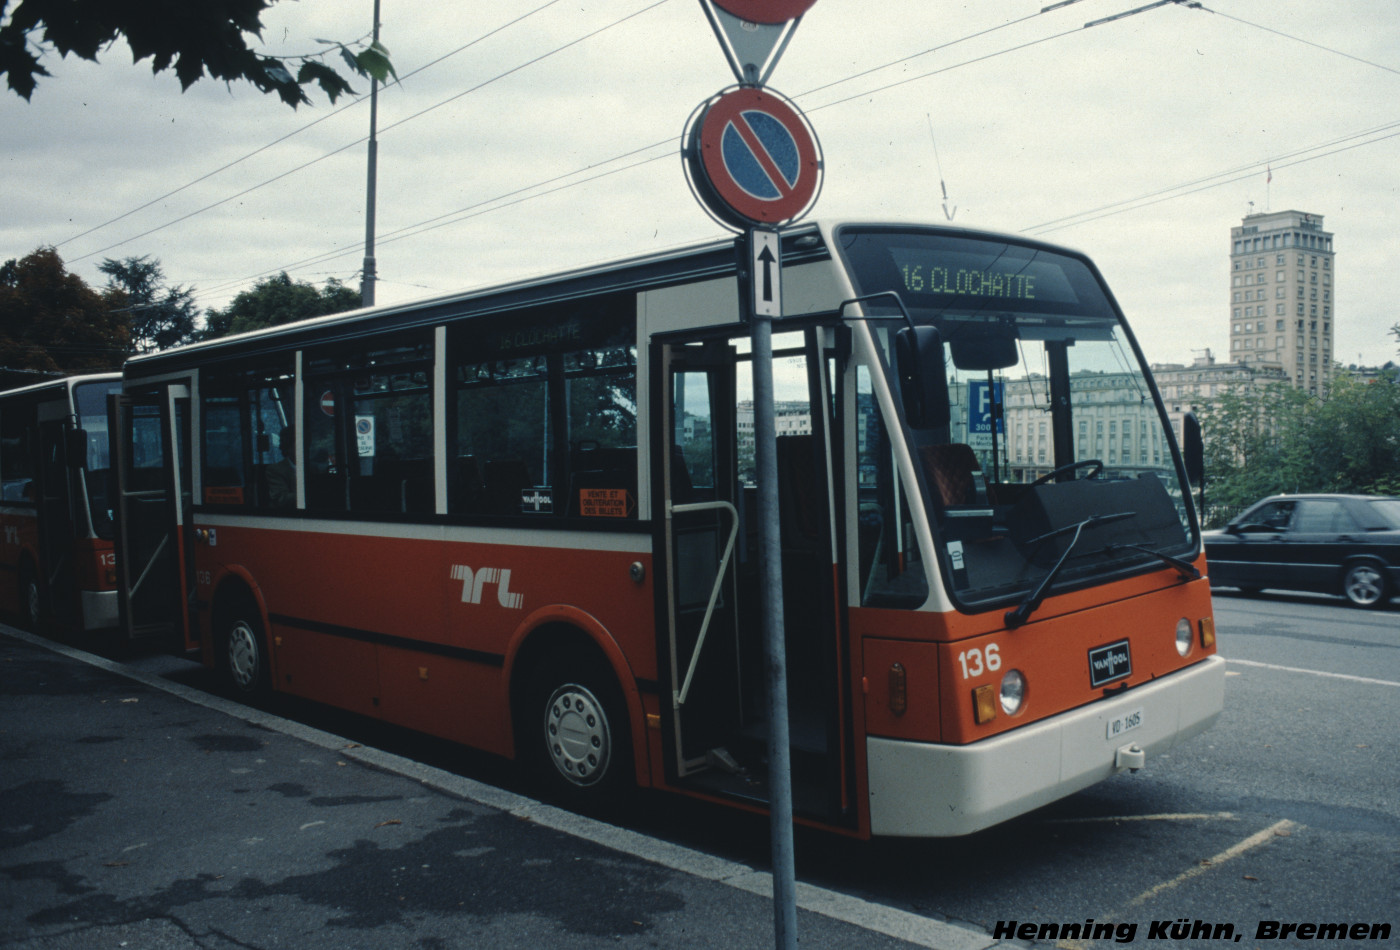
463	213
1250	168
1299	39
337	151
1208	182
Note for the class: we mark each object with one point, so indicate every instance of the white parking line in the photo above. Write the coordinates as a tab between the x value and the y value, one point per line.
1166	816
878	918
1279	829
1295	669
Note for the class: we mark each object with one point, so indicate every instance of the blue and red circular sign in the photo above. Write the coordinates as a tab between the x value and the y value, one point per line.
752	159
766	11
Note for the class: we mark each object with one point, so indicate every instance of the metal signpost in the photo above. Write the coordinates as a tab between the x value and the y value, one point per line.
754	164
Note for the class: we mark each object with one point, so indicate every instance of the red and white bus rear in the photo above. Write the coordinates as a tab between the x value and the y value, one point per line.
57	566
523	518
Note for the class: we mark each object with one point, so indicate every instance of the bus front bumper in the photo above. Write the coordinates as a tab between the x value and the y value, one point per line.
920	789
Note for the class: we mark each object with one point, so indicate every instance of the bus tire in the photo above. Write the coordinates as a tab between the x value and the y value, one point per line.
574	732
242	649
31	598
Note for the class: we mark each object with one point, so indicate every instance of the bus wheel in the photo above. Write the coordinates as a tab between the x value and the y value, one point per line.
241	650
33	599
576	736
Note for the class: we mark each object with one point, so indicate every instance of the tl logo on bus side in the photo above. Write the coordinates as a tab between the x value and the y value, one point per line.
473	582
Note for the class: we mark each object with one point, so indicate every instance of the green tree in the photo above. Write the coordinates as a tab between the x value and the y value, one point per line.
276	301
159	316
1274	439
53	321
194	39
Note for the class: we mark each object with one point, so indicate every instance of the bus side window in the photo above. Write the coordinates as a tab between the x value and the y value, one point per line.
16	464
501	446
222	437
245	412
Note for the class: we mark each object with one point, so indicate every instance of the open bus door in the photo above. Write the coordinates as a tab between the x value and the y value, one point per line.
716	722
58	519
151	453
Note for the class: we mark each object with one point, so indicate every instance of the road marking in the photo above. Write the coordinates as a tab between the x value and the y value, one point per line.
1182	816
1279	829
1335	676
878	918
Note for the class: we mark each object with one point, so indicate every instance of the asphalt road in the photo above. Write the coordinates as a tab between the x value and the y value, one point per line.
1288	810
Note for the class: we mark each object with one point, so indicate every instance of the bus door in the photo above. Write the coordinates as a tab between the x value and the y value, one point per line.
59	518
151	452
718	682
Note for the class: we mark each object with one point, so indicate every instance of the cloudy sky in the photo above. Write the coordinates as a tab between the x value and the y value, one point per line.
534	136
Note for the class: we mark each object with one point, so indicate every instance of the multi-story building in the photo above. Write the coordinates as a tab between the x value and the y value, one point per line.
1282	296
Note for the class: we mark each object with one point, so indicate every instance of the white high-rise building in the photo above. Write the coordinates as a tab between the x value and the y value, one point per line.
1282	296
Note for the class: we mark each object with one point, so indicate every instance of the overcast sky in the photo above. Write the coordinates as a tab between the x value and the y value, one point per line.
522	148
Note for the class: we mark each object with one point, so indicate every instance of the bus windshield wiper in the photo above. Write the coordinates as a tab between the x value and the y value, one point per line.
1185	568
1014	618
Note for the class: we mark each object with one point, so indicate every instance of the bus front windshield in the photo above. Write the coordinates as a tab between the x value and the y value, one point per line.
1048	466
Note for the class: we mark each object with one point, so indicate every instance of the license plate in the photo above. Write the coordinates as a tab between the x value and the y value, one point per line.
1110	662
1124	723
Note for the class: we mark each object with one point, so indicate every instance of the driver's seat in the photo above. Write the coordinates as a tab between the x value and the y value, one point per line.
955	475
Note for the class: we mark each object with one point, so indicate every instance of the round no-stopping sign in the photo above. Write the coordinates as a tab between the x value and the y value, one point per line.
766	11
752	158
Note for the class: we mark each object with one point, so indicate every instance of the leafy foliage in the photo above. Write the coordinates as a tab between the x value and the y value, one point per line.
159	316
53	321
276	301
194	39
1277	439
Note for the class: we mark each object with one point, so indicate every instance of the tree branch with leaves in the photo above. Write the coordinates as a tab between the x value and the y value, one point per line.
195	39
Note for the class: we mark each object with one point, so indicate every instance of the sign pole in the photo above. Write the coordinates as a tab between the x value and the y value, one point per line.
761	290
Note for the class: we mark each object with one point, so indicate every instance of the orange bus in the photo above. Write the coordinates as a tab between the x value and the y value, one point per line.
57	566
523	518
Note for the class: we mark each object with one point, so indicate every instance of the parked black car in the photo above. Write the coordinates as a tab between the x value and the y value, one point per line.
1335	544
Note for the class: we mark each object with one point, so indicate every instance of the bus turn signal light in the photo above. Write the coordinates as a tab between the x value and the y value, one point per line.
984	701
1207	631
899	689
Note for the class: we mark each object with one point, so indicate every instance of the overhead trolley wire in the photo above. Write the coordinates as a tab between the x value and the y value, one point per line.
309	125
478	208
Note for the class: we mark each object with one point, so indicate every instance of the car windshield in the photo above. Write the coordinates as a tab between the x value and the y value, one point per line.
1053	458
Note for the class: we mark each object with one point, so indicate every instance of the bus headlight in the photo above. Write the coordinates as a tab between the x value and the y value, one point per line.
1013	692
1183	636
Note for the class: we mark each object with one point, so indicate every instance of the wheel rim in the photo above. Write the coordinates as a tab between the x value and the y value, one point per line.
243	658
31	599
577	734
1363	585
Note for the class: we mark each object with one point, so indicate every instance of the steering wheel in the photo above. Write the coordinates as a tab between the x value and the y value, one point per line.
1095	464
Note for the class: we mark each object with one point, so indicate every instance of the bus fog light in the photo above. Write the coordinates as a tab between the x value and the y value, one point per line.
1013	692
1183	636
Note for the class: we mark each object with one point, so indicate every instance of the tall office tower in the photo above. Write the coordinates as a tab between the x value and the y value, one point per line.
1282	296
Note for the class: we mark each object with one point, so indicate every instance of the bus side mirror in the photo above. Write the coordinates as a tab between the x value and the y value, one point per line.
76	451
923	379
1193	449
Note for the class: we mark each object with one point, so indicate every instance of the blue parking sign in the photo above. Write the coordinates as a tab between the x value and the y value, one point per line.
979	412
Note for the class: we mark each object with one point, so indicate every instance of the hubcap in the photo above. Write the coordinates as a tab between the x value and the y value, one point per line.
32	601
1364	585
243	655
577	735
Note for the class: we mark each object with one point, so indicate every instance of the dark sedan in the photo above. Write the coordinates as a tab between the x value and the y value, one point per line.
1334	544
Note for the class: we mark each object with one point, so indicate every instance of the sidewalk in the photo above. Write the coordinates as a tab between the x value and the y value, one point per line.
136	812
